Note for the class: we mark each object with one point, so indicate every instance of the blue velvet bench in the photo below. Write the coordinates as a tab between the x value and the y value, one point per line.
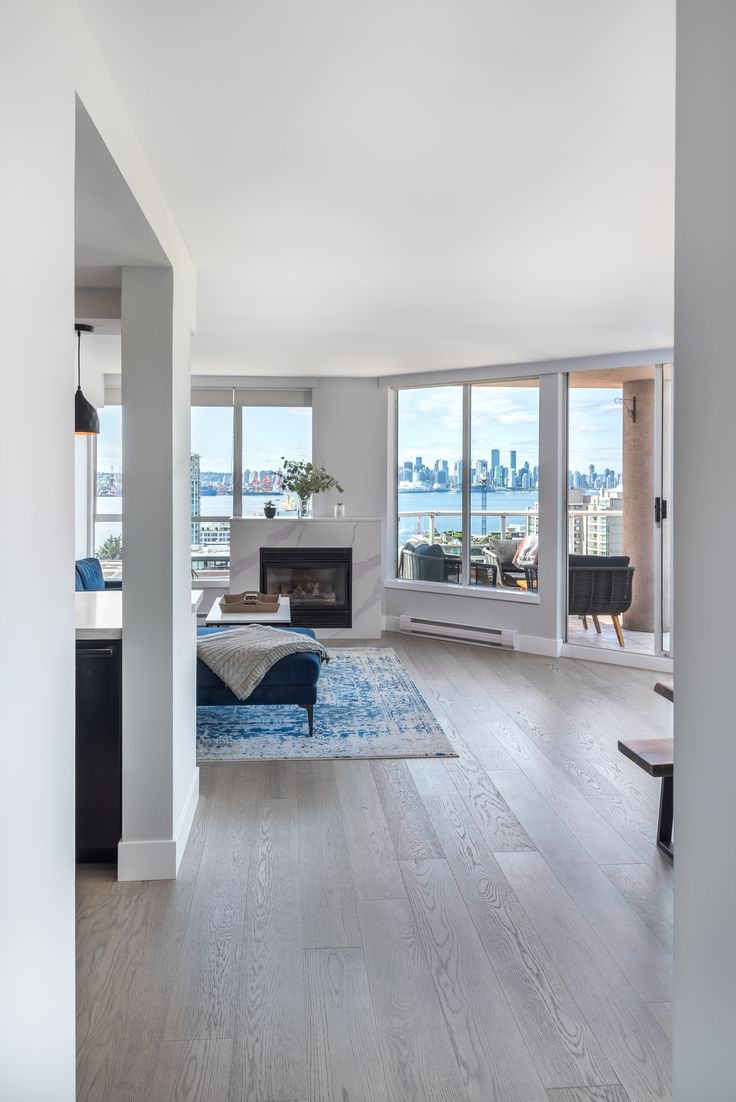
293	680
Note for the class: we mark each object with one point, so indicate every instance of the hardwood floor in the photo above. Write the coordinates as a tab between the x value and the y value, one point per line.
493	927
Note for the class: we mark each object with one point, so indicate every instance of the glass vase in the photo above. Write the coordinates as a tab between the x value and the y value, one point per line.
304	504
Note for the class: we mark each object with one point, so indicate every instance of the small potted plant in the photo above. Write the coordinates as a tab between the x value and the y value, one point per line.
269	510
306	479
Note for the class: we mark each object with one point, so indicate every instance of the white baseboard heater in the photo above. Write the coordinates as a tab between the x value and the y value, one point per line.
464	633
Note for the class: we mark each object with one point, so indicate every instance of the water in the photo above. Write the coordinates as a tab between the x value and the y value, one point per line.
513	502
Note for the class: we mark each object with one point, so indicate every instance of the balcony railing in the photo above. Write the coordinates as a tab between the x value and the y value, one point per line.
503	515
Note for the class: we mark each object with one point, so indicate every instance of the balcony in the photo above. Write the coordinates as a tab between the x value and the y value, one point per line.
591	531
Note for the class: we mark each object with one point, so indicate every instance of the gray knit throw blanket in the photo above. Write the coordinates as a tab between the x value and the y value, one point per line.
241	657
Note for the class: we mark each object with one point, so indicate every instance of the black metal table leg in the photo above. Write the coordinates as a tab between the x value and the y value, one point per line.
666	817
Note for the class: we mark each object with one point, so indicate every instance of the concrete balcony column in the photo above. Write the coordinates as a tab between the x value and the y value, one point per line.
638	524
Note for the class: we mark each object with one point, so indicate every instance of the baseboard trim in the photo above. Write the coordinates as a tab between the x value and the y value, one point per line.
620	657
538	644
147	860
159	858
186	818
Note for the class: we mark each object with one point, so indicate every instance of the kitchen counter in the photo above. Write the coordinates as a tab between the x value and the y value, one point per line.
99	613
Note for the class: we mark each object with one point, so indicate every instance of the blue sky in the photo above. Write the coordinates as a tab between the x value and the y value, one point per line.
268	433
430	424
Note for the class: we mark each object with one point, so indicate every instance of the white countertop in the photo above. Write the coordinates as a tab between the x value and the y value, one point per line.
98	614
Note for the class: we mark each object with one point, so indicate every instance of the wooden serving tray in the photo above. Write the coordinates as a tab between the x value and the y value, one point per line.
250	602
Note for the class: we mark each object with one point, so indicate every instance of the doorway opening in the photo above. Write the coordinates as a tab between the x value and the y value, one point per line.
619	509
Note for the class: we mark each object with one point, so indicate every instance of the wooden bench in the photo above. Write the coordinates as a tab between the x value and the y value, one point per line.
655	757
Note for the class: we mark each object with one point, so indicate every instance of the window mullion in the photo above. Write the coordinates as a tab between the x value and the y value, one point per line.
465	568
91	494
237	461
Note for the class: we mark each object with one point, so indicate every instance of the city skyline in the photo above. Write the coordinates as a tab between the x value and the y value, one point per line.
430	425
507	418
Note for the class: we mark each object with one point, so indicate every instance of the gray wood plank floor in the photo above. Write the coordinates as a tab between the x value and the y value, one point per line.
496	926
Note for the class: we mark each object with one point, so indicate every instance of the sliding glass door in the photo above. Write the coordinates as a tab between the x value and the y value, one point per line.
618	509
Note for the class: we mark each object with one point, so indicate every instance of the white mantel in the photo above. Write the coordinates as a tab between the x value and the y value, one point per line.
363	534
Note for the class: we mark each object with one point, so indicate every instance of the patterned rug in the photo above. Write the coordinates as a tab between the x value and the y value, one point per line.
367	707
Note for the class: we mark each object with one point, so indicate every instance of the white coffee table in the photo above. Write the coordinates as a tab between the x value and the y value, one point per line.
217	618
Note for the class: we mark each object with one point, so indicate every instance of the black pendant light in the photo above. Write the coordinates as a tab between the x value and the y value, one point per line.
86	419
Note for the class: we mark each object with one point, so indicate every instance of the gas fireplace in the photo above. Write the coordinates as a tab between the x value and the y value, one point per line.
318	582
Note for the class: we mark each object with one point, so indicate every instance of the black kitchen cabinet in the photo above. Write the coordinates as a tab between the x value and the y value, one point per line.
98	749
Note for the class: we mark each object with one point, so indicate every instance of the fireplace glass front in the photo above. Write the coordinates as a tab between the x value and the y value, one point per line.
318	582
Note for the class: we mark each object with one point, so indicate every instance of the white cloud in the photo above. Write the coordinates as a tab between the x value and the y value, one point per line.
518	417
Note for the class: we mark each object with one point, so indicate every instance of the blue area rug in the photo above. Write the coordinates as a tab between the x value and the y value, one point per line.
367	707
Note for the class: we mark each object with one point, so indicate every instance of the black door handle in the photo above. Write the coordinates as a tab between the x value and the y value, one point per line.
658	510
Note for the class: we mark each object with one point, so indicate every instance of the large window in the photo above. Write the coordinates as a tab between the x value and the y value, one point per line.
211	481
235	465
271	433
430	484
237	441
468	482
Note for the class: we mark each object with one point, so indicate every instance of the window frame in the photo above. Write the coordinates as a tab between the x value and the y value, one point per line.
235	398
464	588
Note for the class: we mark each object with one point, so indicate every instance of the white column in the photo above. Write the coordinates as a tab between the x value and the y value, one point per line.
36	559
160	779
705	535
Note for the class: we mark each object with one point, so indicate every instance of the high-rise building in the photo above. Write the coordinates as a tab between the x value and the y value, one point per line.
495	458
195	488
604	535
512	464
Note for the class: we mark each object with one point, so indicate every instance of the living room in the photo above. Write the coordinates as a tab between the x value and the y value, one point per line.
433	859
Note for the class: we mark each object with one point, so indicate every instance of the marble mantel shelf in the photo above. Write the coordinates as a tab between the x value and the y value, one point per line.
309	520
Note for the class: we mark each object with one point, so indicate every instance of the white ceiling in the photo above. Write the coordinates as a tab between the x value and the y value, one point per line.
406	185
109	227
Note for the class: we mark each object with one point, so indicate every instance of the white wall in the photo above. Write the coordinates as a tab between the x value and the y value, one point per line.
46	54
37	488
705	400
349	434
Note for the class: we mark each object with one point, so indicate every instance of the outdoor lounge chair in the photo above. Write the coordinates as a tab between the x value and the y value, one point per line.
427	562
600	585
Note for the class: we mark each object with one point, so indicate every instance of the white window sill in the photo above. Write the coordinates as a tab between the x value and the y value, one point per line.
451	589
211	583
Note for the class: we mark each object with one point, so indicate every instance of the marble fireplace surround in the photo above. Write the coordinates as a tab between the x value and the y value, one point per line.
249	534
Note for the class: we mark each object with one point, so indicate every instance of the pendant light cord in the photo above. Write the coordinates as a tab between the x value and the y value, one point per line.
79	359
